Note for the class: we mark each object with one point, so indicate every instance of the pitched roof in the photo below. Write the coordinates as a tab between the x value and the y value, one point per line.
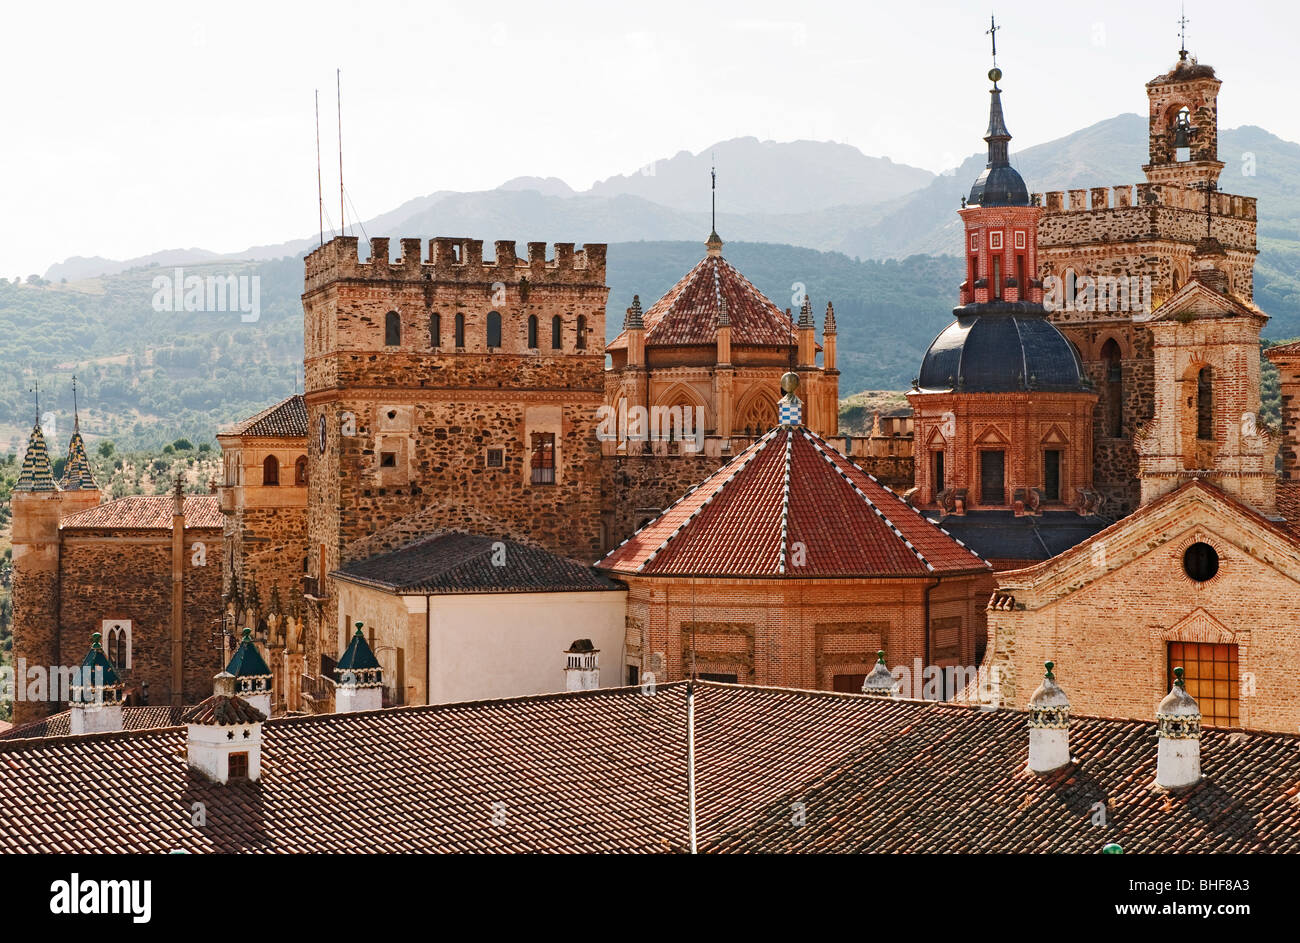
473	563
606	771
37	473
1001	535
76	470
358	655
60	724
1197	299
247	662
688	313
287	419
146	512
791	488
222	710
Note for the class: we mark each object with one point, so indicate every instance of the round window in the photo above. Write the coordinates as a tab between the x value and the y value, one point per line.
1200	562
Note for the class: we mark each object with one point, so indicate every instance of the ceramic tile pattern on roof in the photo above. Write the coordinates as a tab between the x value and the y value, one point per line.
145	512
606	771
688	313
790	505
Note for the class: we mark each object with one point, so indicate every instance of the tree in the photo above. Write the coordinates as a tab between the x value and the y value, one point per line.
106	449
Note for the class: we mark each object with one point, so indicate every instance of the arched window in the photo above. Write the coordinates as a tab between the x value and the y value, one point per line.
1113	389
532	332
118	649
460	330
556	342
582	331
300	470
392	329
1205	404
494	329
435	330
271	470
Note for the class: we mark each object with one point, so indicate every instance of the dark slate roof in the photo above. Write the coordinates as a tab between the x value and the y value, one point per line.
1001	347
467	563
606	771
96	662
287	419
247	662
1000	535
60	724
358	656
1000	184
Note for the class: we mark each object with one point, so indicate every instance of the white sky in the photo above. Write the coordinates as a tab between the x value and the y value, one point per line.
131	128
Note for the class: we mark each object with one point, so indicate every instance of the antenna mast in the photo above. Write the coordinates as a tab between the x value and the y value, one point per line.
320	193
338	86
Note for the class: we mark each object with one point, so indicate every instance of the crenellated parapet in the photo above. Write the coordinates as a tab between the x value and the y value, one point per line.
449	259
1126	196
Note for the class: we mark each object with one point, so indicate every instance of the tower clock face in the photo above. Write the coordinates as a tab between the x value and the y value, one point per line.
320	428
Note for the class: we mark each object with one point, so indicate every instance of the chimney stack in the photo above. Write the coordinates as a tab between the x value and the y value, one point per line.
581	667
251	674
224	734
1178	725
96	693
359	681
881	681
1049	725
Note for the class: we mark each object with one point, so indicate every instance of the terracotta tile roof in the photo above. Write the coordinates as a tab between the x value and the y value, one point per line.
606	771
146	512
688	313
60	725
222	710
791	488
287	419
471	563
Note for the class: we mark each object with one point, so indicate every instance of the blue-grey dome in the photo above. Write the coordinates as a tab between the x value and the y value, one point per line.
999	186
1001	347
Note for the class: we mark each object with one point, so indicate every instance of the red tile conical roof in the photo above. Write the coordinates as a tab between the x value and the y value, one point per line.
791	506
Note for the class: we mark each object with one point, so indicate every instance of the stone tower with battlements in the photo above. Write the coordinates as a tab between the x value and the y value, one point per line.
1111	256
449	391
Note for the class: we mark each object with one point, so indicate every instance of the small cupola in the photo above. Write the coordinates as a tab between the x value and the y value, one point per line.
96	693
224	734
358	679
880	682
1178	725
581	666
1049	725
789	409
251	674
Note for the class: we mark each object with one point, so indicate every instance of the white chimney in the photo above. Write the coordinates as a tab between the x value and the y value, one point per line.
1049	725
881	681
358	679
96	693
224	734
1178	725
581	666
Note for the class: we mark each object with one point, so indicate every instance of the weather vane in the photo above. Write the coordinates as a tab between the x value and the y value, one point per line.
992	32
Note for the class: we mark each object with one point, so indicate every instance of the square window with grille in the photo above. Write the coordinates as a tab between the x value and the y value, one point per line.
238	766
1020	239
974	242
995	240
496	458
387	459
1211	674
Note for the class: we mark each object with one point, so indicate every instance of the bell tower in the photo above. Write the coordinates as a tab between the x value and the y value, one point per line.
1184	124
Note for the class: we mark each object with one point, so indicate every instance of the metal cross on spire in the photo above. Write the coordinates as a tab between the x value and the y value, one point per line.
1182	31
713	174
76	419
36	388
992	33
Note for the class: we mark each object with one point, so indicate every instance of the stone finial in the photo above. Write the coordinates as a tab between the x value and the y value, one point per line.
1178	726
830	319
724	316
633	321
37	473
880	682
714	245
789	408
805	313
1049	725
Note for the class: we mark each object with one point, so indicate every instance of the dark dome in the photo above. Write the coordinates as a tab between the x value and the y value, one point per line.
1001	347
999	186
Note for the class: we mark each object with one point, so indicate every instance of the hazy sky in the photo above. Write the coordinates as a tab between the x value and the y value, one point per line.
131	128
